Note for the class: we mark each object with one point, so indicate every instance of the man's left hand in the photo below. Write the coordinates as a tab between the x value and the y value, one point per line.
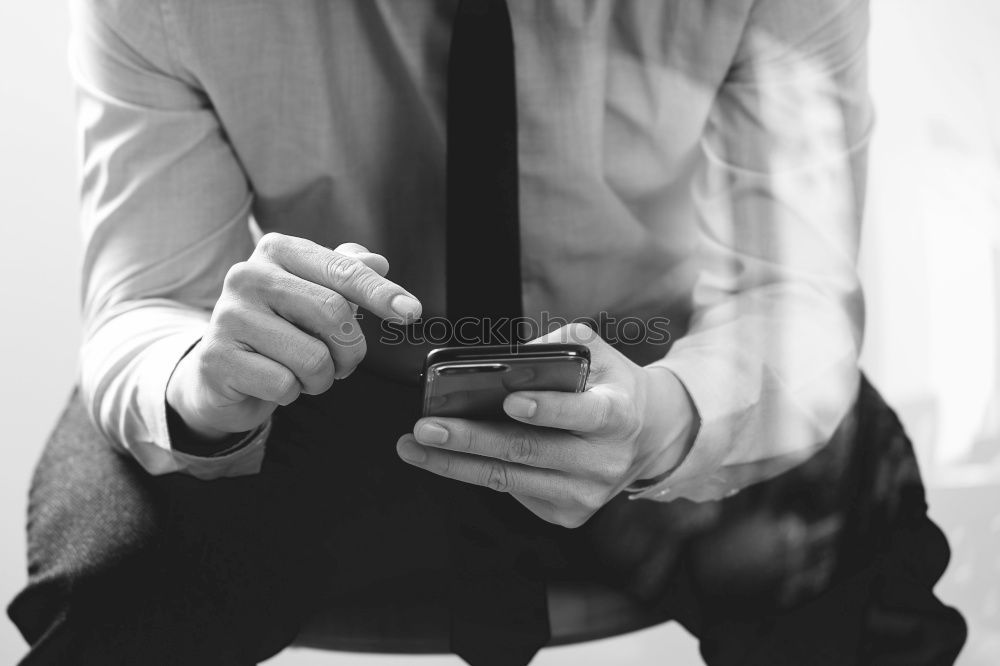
565	455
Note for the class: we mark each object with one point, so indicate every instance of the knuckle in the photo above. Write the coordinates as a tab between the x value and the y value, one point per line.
343	269
269	278
238	277
370	283
617	413
283	383
336	307
315	359
211	355
446	465
469	440
227	316
497	477
522	449
603	413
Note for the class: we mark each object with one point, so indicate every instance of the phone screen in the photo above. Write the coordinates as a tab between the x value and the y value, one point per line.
472	382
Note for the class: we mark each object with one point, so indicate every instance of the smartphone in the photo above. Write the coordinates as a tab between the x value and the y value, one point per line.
472	382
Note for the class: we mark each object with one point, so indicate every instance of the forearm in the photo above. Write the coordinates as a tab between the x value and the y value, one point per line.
762	408
164	209
770	358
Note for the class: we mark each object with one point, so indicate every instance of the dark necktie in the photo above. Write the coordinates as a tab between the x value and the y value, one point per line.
498	602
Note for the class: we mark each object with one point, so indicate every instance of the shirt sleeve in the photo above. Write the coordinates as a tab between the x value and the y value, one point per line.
164	214
771	358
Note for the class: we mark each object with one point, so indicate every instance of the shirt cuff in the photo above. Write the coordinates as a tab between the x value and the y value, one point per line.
699	476
155	452
243	458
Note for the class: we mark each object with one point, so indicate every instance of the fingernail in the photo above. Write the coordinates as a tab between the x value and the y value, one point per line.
431	433
520	406
405	306
411	452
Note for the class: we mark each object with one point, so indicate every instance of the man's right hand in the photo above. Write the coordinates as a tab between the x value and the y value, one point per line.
284	325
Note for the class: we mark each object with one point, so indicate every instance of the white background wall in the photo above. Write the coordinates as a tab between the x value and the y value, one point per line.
39	251
935	218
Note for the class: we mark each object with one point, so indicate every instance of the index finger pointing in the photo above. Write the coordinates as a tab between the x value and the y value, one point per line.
344	273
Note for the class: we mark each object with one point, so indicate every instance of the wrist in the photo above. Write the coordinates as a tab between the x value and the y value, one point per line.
181	415
670	423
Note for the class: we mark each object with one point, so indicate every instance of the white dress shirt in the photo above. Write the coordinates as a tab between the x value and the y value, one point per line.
701	160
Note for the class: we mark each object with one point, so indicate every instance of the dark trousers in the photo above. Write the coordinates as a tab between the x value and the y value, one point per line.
831	563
